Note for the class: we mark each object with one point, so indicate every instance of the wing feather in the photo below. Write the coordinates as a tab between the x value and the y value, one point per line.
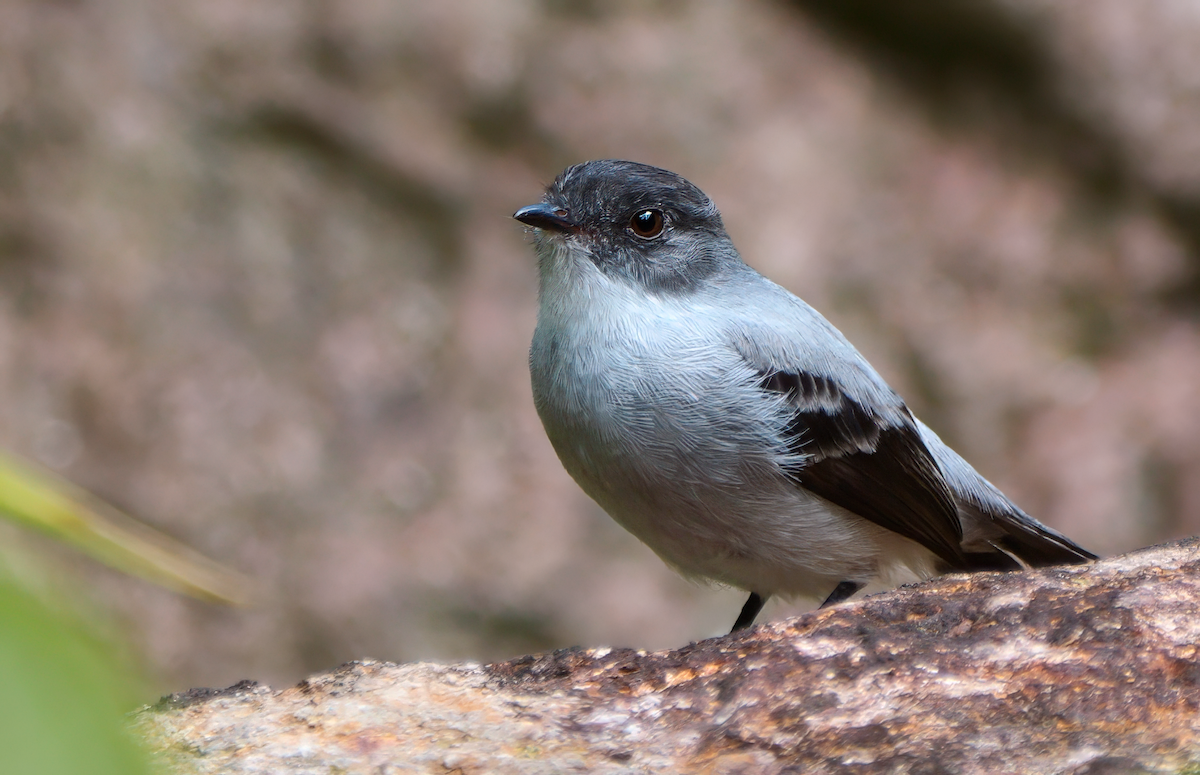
870	464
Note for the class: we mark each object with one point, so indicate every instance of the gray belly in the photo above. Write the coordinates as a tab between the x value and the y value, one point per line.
690	462
697	481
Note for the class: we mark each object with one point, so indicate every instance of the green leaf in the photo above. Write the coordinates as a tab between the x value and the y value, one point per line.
63	695
39	499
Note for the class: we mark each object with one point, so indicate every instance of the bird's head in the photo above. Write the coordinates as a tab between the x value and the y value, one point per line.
633	222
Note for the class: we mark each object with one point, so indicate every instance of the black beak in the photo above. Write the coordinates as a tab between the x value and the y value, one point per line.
546	216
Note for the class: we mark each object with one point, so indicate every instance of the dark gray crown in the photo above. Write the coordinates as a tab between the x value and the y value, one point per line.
597	200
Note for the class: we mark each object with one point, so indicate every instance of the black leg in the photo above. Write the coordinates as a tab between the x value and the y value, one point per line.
843	591
753	605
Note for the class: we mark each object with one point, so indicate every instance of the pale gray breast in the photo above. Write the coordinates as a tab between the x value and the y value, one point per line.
658	400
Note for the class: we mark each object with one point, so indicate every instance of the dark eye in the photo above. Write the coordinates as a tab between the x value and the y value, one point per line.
647	223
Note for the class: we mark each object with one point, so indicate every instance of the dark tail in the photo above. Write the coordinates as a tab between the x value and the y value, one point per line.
997	535
1018	540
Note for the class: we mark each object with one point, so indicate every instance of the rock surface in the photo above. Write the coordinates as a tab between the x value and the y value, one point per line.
1068	670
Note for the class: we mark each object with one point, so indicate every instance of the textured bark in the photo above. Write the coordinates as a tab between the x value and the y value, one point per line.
1068	670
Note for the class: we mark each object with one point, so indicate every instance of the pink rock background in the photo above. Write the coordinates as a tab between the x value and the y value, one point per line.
259	284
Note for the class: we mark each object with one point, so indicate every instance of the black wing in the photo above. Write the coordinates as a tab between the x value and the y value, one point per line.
869	465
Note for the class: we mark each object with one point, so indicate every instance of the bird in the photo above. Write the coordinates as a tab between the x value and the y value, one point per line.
726	423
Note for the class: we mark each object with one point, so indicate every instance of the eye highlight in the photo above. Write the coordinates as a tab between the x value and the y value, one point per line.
647	223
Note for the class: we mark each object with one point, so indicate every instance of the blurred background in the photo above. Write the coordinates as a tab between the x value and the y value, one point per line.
260	286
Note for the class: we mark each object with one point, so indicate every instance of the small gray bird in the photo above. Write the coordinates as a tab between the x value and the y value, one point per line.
726	423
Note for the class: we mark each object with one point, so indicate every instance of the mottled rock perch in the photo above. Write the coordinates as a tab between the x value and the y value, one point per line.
1075	670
